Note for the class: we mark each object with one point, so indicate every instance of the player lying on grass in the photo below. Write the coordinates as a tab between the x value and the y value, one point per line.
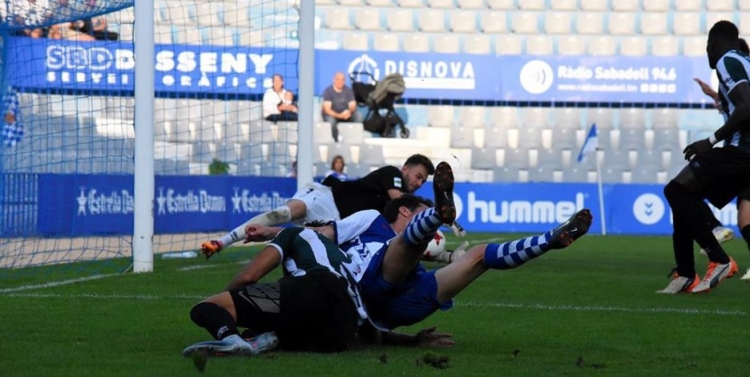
314	307
334	199
386	250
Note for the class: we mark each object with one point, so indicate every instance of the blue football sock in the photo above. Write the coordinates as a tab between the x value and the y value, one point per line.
422	227
515	253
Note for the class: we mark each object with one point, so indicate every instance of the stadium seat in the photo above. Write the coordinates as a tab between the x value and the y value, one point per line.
549	158
575	174
542	174
411	3
505	174
477	44
525	22
527	5
645	174
595	5
356	42
350	3
432	21
471	4
687	23
565	138
602	46
564	5
163	34
631	139
251	38
621	23
446	43
447	4
666	139
494	22
462	137
744	21
535	117
484	158
380	3
571	45
633	46
625	6
287	132
463	21
177	13
653	23
188	35
440	116
590	23
337	18
501	4
236	15
371	155
220	36
694	46
665	118
557	22
509	45
720	5
334	149
603	117
209	14
386	42
632	118
504	117
540	45
611	175
414	42
516	158
472	116
125	31
351	133
227	152
367	19
688	5
400	20
566	117
656	6
657	158
202	152
665	46
495	137
529	137
358	170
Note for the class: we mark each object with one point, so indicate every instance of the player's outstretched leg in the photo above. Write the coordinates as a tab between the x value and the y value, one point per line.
515	253
424	225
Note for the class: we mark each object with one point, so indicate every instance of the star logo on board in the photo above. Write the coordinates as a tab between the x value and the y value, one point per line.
161	200
236	202
81	199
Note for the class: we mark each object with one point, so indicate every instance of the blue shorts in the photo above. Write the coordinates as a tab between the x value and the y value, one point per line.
391	305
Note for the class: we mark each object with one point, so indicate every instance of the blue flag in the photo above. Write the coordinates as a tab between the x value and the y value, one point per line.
12	124
590	144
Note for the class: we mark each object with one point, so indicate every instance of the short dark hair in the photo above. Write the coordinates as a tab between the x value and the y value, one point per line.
419	159
337	157
724	30
407	200
744	47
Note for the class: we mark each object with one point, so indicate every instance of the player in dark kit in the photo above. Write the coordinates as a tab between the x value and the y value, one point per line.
716	174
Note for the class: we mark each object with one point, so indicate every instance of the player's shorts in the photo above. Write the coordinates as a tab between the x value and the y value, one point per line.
319	202
744	195
394	305
723	173
316	312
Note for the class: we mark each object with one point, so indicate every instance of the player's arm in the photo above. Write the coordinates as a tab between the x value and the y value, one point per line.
740	96
395	193
428	337
262	264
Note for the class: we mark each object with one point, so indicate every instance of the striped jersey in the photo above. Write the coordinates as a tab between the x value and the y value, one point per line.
305	250
361	235
732	69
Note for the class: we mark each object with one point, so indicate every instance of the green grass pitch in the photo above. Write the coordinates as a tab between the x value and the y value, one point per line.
589	310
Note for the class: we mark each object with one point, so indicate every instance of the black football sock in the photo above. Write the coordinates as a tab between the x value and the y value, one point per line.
215	319
746	235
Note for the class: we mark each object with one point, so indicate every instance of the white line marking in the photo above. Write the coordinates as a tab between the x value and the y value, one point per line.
55	283
590	308
202	266
509	305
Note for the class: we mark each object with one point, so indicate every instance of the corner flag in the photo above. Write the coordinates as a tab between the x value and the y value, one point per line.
590	144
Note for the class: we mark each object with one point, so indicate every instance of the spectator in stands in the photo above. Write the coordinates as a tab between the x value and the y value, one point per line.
293	173
70	32
97	28
337	168
278	103
339	104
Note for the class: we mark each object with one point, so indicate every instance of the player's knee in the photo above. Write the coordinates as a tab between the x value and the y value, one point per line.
200	312
284	213
673	190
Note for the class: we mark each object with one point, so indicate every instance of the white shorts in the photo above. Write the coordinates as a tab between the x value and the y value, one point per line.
319	201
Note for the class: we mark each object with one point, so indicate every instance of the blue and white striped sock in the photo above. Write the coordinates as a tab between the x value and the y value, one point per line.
422	227
515	253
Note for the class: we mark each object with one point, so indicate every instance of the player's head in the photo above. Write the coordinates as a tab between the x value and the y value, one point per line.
399	212
278	82
415	171
722	37
337	164
744	47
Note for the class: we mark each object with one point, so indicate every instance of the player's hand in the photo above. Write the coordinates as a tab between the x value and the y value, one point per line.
705	88
257	233
697	148
430	338
210	248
